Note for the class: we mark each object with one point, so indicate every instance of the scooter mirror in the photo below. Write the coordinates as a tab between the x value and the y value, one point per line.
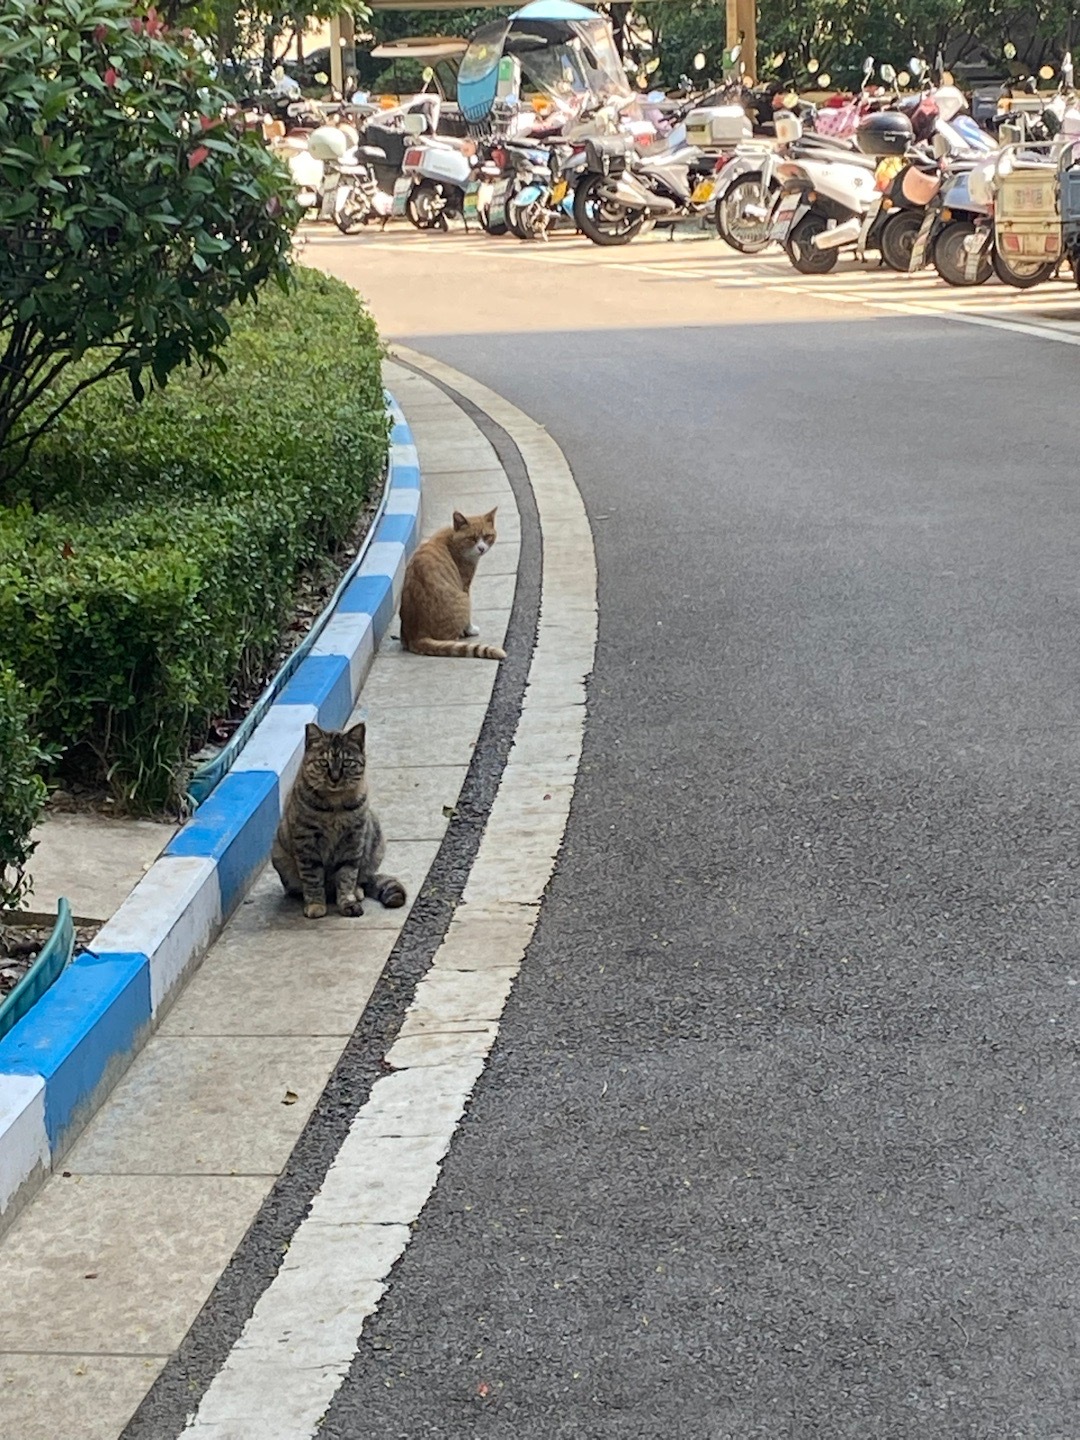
868	67
1067	70
414	123
1009	50
736	51
888	74
940	146
813	66
321	77
903	79
824	81
699	61
915	66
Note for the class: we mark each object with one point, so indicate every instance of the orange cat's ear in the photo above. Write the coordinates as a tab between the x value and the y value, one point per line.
460	522
312	734
491	514
357	734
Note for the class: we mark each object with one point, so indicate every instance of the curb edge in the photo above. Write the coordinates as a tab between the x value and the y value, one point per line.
61	1060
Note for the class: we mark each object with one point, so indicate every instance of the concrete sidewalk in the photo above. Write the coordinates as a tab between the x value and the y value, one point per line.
103	1274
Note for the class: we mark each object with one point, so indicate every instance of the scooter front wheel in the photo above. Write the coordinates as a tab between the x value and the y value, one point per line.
1022	274
951	251
898	236
803	253
746	233
604	222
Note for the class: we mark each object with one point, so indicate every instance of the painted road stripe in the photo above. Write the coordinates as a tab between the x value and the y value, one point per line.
300	1340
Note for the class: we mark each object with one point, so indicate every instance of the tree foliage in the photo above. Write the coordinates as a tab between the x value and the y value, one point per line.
131	214
838	34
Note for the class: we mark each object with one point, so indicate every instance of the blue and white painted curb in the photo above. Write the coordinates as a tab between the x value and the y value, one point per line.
59	1062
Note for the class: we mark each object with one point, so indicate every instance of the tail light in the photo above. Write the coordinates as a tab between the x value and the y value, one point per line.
498	155
723	160
412	158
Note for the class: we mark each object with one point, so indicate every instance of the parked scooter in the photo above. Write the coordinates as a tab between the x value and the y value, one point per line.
333	177
827	197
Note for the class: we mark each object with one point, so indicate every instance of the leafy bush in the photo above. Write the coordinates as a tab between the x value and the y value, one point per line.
158	561
131	215
22	792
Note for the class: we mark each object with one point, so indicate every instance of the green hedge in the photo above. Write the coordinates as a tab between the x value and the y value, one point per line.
151	562
22	791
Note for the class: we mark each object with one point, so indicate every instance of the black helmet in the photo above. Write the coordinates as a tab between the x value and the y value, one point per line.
886	133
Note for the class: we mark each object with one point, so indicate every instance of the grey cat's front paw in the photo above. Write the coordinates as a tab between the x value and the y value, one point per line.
471	630
353	908
314	909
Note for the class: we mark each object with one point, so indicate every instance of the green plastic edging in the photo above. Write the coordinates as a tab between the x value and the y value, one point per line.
46	969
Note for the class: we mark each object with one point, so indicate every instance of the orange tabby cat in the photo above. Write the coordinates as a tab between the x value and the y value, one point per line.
436	612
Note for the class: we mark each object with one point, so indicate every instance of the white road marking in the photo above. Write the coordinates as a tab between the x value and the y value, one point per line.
299	1342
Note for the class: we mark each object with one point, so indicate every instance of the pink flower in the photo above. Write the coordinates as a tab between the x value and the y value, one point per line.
100	31
110	77
197	156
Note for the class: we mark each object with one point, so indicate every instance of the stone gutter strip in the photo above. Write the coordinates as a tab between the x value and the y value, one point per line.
59	1062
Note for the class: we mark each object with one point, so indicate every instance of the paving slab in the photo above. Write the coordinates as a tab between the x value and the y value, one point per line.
72	1397
93	860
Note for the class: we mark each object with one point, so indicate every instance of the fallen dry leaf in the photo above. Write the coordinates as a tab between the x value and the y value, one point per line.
291	1097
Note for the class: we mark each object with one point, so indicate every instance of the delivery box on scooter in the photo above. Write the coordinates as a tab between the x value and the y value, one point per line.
1027	211
711	126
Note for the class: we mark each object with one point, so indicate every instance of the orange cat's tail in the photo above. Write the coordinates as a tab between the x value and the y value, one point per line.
470	649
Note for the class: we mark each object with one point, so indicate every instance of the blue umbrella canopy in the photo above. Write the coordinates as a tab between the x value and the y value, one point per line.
553	10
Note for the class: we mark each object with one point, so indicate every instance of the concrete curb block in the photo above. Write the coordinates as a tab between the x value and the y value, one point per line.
59	1062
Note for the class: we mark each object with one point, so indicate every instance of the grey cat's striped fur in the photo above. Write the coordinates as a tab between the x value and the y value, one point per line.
329	843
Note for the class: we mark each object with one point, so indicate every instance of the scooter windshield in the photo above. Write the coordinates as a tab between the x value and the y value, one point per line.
583	65
478	75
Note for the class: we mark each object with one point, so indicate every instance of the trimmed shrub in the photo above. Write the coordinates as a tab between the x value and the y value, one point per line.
131	214
152	559
22	791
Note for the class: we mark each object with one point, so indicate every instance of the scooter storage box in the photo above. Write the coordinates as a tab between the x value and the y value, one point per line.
450	165
1028	207
606	154
713	125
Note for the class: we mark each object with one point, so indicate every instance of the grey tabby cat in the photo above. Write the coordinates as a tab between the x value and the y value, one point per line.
329	843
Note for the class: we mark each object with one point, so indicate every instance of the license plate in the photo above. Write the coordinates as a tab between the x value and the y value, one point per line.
975	247
558	194
922	243
528	196
470	202
703	192
782	219
497	210
402	187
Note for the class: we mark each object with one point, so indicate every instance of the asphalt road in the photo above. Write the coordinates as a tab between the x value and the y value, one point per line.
780	1135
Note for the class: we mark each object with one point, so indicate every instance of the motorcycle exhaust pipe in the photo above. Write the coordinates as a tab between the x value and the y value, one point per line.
636	197
846	233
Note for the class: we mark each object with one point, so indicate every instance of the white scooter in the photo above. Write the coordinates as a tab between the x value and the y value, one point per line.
332	175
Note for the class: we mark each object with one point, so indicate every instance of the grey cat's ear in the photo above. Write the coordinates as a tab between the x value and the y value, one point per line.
357	734
460	521
312	734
